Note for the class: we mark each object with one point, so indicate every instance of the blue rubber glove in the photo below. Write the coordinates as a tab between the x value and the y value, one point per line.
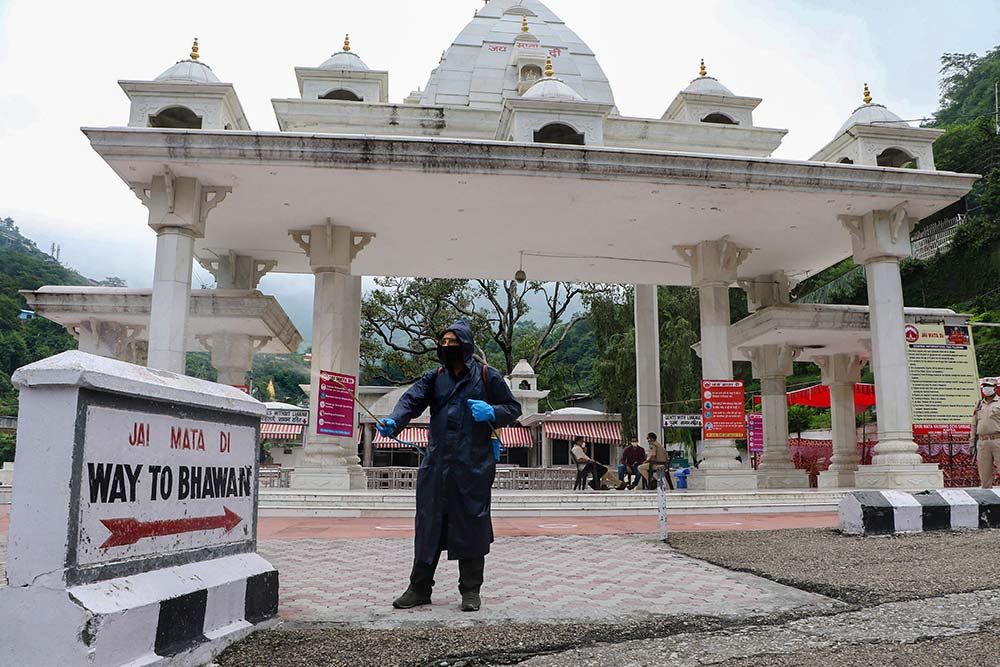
482	411
387	427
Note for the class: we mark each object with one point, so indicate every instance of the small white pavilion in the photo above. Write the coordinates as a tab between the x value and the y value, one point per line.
356	185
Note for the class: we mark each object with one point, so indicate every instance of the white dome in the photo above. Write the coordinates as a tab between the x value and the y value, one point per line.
552	89
476	71
708	85
345	60
871	114
189	71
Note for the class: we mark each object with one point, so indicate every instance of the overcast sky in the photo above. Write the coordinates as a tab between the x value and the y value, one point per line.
60	63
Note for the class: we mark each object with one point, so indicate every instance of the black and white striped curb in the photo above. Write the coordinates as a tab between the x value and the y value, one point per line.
186	621
891	512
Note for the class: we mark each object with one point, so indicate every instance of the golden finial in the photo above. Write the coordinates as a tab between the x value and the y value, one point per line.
347	43
194	49
524	24
868	95
548	66
702	71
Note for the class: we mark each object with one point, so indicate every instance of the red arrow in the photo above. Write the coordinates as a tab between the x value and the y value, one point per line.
130	531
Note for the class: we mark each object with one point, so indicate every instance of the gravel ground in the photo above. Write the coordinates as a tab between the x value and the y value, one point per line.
979	649
913	626
858	570
416	647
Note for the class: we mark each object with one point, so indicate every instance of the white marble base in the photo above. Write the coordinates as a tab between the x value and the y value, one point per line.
837	479
899	476
333	478
782	479
722	480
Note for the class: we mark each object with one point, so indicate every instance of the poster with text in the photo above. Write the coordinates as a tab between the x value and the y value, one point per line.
335	413
722	410
944	380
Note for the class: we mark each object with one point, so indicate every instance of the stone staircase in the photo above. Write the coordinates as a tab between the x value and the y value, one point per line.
375	503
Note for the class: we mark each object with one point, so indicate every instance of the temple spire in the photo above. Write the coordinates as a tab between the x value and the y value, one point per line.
868	95
347	43
194	50
702	71
548	67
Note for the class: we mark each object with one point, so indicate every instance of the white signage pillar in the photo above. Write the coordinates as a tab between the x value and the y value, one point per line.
133	526
714	266
772	364
331	461
880	239
647	363
840	373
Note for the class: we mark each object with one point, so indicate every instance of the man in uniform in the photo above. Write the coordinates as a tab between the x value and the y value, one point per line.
986	429
467	400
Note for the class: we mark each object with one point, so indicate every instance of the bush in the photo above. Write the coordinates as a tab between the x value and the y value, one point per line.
7	445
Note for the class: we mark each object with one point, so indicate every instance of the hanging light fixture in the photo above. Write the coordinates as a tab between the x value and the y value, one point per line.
521	277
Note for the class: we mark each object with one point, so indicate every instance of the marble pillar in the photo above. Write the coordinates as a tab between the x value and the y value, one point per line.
647	362
772	364
880	240
714	265
331	462
840	373
178	209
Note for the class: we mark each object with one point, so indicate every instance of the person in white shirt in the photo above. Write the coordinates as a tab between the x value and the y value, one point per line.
580	456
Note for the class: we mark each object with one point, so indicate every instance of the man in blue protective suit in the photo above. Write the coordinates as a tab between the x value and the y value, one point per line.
467	401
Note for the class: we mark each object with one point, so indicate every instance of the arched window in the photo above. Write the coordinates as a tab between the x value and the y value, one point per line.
845	160
896	157
525	385
176	118
720	118
530	73
559	133
341	94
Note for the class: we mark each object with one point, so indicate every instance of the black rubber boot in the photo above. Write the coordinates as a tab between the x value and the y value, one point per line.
470	580
421	585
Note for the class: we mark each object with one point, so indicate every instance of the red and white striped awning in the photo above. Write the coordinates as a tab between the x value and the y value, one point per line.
510	436
514	437
280	431
608	432
418	435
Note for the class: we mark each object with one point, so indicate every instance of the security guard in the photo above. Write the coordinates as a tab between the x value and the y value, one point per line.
986	427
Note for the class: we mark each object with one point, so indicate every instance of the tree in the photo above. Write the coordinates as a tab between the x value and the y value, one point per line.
611	314
402	318
112	281
799	418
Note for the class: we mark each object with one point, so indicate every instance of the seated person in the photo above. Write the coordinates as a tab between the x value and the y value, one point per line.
657	455
590	465
629	465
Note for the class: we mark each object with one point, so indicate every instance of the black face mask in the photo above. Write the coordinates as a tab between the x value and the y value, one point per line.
450	354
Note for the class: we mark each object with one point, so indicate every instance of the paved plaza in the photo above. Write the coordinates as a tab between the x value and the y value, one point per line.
539	570
606	579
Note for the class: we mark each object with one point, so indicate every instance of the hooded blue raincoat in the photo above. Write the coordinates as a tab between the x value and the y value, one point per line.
456	476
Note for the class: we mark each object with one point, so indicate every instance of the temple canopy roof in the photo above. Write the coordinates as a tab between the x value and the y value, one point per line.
584	214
